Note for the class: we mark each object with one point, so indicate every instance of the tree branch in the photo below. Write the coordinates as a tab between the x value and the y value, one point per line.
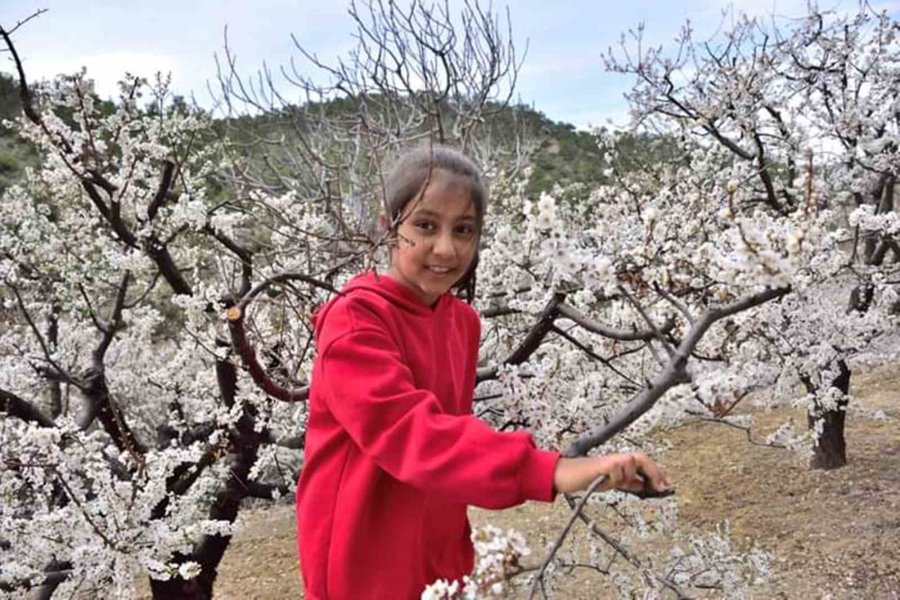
15	406
114	324
539	578
245	350
623	335
165	184
542	326
674	373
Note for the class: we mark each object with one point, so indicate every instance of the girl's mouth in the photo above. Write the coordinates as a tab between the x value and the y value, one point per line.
440	270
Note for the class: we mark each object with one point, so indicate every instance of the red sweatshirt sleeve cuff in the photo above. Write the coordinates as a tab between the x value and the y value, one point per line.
537	476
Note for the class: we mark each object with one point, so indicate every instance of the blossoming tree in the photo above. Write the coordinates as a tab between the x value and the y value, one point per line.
796	119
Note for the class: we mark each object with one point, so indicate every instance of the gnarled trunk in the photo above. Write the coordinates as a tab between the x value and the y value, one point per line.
244	441
830	451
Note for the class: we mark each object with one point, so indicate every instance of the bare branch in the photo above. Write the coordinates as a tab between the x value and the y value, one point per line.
24	92
539	578
245	350
621	550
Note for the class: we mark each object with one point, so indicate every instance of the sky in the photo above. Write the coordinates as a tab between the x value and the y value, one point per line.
563	74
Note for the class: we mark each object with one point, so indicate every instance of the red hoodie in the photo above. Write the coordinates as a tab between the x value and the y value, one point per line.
393	453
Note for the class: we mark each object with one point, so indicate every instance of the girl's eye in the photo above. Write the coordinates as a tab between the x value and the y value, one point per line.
466	230
424	225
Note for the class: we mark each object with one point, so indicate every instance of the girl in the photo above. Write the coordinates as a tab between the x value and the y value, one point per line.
393	454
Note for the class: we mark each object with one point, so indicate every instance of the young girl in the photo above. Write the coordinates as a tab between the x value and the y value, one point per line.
394	455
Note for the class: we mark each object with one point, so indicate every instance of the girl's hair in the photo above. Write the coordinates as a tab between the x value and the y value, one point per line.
411	173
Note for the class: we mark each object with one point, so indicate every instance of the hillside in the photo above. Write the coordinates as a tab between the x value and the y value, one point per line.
563	154
15	155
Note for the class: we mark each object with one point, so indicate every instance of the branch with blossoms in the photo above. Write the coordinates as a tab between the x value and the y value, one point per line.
674	372
92	383
96	185
545	323
732	102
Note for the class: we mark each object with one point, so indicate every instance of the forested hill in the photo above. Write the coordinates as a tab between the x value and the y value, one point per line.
563	155
14	154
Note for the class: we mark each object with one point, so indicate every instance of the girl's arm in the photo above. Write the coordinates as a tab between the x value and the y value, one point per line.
371	393
632	472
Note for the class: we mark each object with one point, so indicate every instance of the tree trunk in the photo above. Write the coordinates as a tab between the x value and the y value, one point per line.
199	588
830	451
244	441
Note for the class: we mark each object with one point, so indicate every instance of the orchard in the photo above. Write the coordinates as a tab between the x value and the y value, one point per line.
161	265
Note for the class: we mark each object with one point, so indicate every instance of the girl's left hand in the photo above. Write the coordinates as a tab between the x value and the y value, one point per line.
632	472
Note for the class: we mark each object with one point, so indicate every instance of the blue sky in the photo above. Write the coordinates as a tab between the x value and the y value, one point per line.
563	74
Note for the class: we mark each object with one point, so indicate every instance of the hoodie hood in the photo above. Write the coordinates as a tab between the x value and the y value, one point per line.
389	289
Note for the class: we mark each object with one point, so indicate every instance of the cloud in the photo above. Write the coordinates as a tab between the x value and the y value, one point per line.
106	69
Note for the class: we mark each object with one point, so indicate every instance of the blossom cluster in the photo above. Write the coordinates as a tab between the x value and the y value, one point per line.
497	560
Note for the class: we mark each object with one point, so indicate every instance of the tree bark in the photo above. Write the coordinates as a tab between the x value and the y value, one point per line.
244	442
199	588
830	451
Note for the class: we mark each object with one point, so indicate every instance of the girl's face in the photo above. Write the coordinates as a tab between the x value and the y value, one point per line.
437	237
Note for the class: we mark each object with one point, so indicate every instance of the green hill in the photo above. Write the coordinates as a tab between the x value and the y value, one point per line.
561	154
15	154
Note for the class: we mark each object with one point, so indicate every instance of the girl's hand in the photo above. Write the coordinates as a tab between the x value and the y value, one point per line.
633	472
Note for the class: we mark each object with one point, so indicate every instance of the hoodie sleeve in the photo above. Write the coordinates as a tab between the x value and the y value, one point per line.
371	393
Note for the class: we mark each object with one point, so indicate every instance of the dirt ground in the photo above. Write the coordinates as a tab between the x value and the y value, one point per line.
832	535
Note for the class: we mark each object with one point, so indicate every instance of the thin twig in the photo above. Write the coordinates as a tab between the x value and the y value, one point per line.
656	332
539	578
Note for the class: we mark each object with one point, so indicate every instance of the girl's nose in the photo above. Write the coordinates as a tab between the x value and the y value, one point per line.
443	245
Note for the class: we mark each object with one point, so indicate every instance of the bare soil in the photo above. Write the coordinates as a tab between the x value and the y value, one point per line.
832	534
